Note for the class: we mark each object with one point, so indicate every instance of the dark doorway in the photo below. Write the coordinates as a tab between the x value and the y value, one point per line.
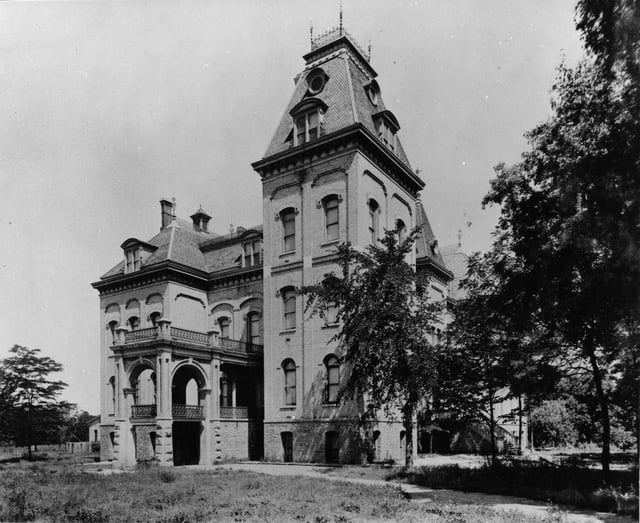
287	446
331	447
186	443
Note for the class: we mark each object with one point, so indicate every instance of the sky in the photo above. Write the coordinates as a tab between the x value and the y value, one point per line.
107	107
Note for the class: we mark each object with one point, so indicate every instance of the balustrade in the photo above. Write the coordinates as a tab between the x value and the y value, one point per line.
195	337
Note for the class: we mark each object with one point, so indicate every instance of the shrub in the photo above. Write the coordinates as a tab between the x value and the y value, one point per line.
166	476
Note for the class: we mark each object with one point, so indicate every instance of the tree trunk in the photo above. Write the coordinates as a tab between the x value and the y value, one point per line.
408	434
520	423
492	430
604	411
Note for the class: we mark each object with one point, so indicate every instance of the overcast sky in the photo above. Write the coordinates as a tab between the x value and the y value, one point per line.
106	107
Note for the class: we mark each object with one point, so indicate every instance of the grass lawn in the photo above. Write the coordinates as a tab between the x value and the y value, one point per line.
56	491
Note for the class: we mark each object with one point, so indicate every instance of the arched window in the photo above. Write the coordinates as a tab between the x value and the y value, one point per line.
289	368
253	328
154	317
111	389
373	220
224	324
112	329
288	219
332	370
289	308
134	322
331	217
401	230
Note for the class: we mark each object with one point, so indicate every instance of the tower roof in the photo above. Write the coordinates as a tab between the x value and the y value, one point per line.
346	92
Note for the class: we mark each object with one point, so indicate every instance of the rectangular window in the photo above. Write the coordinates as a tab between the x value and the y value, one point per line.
289	230
289	310
252	253
331	219
301	130
289	383
312	120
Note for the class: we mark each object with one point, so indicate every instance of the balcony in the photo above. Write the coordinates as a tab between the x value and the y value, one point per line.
238	412
187	411
143	411
163	331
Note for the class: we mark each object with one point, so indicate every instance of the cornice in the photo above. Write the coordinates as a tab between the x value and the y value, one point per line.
354	136
440	272
161	272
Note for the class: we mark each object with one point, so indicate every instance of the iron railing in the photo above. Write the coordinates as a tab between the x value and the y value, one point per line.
239	346
187	411
234	412
144	411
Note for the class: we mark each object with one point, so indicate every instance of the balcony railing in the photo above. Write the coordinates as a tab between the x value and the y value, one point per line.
141	334
239	346
189	336
187	411
235	412
143	411
200	338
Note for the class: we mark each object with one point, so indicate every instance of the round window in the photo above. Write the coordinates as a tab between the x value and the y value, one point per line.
316	80
373	92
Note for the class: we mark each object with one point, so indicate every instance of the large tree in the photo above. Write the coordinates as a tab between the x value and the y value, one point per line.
569	224
32	412
385	321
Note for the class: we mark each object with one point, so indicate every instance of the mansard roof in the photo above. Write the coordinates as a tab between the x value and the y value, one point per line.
348	76
205	252
427	251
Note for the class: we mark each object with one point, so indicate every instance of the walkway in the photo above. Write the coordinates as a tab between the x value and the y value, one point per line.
427	495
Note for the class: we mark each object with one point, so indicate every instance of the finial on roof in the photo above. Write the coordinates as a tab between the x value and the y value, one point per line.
340	17
174	208
459	237
369	52
311	30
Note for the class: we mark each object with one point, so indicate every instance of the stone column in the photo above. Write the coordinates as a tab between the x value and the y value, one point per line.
164	418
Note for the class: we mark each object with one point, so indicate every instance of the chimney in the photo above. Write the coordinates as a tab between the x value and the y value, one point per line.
200	220
166	213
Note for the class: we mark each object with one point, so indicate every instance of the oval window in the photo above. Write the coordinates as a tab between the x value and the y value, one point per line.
316	80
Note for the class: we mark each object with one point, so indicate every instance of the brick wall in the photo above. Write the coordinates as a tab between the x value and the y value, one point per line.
241	439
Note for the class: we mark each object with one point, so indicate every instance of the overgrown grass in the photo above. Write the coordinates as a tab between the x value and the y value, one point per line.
564	485
47	493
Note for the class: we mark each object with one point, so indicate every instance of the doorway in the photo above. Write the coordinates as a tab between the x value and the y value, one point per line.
186	443
287	446
331	447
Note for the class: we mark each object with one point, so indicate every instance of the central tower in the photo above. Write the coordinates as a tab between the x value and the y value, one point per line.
335	171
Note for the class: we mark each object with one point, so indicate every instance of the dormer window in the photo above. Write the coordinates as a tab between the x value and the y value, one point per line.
307	127
132	260
252	252
135	252
307	120
387	126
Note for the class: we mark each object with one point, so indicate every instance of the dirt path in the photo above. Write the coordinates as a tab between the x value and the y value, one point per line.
426	495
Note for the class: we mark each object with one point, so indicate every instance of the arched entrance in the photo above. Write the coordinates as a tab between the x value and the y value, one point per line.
187	413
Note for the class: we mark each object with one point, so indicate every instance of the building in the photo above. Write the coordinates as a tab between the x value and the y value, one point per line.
206	351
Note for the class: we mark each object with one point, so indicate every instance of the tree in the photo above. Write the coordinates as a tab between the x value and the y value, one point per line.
384	324
474	367
568	234
33	412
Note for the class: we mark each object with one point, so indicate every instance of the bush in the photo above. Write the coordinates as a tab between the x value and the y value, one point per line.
570	485
95	446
